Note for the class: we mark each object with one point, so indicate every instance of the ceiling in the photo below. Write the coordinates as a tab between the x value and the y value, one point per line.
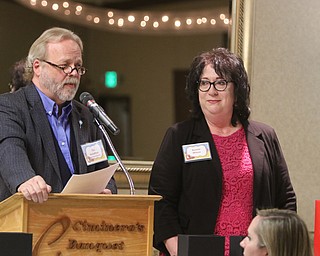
186	16
153	4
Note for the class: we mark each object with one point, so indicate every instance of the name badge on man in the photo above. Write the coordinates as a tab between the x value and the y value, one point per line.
94	152
196	152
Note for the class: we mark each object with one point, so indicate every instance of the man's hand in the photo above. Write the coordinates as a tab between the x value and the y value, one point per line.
106	191
35	189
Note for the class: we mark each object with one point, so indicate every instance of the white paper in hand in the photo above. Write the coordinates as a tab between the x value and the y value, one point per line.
90	183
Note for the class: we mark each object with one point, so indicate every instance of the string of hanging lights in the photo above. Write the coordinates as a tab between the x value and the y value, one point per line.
155	22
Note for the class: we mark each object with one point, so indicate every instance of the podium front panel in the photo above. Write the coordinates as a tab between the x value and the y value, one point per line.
110	225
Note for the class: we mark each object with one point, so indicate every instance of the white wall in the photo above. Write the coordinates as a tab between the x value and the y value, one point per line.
285	83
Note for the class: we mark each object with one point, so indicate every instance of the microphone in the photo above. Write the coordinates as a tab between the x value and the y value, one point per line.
87	100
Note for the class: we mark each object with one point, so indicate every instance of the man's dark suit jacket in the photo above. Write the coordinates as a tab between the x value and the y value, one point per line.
192	191
27	145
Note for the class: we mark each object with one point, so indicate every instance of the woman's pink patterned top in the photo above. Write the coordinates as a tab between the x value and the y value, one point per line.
235	212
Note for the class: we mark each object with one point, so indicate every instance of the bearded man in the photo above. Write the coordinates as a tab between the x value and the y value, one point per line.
42	127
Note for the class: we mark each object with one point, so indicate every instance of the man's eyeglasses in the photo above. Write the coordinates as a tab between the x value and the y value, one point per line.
219	85
68	69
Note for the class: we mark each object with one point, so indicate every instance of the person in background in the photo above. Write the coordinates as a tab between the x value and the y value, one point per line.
42	127
214	169
17	76
275	232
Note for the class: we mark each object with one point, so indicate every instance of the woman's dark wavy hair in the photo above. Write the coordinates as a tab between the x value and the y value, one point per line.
230	67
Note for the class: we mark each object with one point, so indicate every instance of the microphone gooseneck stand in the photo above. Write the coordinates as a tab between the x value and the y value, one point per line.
110	144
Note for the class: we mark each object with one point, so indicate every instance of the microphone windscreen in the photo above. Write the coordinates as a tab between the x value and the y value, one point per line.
85	97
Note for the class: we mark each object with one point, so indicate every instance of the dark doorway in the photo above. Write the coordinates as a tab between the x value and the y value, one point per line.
118	109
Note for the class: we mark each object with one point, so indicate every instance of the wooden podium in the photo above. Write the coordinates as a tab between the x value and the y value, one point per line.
81	224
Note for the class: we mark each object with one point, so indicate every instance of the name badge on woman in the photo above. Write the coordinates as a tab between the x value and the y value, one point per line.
196	152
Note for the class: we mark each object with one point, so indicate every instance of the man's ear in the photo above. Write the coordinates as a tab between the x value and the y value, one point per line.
36	67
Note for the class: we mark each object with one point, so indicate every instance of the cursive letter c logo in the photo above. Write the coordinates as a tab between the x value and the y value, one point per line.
63	221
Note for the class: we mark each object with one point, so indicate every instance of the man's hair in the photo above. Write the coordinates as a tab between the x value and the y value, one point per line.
38	49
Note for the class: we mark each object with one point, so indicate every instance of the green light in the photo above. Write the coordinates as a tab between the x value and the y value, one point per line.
111	79
111	158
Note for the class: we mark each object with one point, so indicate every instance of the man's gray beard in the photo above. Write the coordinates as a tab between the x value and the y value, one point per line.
57	89
62	95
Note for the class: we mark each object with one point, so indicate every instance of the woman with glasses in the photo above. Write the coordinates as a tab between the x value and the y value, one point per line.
277	232
214	169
